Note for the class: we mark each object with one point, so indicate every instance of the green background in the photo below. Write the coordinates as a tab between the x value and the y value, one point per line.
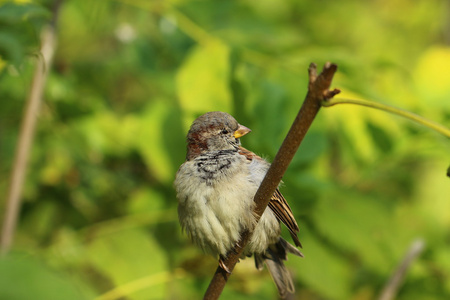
98	219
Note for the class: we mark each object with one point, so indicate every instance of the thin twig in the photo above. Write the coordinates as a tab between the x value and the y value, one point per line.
390	290
318	90
391	109
13	202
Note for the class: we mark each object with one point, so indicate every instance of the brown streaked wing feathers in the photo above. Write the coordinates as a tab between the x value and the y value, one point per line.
283	212
248	154
278	204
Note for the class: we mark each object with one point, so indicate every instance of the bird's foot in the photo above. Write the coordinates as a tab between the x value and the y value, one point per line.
223	266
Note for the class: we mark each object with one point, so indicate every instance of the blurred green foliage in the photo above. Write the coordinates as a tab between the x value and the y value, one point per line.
99	214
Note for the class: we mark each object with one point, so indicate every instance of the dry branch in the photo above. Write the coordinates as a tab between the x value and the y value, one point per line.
318	90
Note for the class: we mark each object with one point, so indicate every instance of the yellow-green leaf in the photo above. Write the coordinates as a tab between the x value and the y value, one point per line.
202	81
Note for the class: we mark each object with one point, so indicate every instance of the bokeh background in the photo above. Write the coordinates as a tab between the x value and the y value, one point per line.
99	220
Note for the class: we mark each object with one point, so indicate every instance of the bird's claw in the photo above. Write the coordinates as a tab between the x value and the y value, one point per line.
223	266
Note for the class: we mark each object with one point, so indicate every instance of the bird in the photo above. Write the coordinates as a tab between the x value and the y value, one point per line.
215	188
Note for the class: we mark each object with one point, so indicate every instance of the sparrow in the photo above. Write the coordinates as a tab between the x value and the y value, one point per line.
215	189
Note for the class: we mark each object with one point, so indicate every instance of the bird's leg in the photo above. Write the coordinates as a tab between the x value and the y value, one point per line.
222	264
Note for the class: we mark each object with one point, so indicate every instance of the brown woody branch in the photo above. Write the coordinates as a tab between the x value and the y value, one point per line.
318	90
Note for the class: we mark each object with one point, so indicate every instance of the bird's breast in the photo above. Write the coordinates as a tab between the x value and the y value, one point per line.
216	202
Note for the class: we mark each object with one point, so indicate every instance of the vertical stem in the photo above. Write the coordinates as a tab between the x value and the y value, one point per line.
24	144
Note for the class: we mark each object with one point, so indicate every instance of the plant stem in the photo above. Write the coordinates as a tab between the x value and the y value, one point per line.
13	202
391	109
391	288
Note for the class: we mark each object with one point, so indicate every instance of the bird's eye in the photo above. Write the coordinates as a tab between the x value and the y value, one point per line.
224	131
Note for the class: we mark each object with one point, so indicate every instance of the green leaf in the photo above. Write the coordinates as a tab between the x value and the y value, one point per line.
202	82
11	12
11	48
26	278
145	200
360	225
108	133
380	137
150	140
321	269
312	147
19	24
133	261
432	75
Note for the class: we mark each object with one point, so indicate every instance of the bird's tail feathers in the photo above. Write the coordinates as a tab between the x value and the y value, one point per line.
273	257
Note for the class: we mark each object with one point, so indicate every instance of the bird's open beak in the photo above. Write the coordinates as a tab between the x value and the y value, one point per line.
241	131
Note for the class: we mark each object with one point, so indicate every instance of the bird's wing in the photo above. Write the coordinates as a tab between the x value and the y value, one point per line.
278	204
283	212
